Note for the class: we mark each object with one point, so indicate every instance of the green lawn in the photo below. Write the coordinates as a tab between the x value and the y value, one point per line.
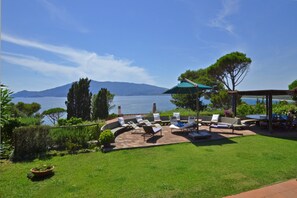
210	169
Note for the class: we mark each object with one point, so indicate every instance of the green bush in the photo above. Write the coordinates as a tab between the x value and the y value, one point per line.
71	121
244	109
106	137
30	141
80	135
7	129
27	121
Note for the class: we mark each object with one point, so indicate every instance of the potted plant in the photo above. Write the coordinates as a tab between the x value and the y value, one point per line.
106	137
42	170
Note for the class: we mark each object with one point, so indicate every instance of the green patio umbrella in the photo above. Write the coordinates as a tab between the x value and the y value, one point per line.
188	87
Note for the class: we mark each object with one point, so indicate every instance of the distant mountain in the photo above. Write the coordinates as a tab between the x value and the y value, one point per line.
117	88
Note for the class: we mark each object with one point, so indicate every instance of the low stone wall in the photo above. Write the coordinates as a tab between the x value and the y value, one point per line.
117	129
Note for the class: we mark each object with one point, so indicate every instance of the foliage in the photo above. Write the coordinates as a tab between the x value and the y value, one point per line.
230	69
101	104
189	112
207	169
186	101
71	121
244	109
5	99
26	109
27	121
7	129
112	116
79	100
293	85
284	108
189	100
74	137
42	167
221	99
54	114
30	141
106	137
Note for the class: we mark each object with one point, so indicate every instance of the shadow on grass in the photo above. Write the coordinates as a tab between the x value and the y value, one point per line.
288	134
35	178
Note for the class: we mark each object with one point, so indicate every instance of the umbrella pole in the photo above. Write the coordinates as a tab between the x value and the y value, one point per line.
197	110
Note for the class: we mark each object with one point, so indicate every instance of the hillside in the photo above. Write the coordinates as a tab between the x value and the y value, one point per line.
117	88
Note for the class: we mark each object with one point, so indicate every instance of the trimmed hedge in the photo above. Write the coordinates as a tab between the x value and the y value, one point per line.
30	141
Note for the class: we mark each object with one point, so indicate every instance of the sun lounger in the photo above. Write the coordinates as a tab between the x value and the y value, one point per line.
151	131
136	129
181	126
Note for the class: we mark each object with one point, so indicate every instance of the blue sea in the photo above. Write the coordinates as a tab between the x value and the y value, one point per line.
129	104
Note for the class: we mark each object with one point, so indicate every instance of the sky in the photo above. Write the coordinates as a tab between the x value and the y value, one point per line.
49	43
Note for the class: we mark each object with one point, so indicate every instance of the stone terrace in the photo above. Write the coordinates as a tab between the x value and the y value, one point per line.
129	140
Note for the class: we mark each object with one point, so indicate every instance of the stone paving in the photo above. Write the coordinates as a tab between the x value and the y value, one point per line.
286	189
129	139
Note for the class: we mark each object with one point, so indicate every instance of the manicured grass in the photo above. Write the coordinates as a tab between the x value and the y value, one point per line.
209	169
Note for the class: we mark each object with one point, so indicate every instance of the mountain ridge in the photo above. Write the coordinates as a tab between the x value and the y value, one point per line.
117	88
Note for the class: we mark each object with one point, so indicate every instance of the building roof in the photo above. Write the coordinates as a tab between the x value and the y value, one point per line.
265	92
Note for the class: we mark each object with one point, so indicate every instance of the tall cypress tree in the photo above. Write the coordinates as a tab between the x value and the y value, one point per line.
79	100
101	104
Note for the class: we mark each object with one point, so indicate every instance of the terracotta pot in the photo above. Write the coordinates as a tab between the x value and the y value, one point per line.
42	173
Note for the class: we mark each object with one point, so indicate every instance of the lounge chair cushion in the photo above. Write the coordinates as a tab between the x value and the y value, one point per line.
122	122
176	115
215	118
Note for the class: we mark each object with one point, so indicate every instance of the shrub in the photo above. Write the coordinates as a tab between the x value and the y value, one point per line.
106	137
27	121
71	121
65	137
62	122
244	109
30	141
7	129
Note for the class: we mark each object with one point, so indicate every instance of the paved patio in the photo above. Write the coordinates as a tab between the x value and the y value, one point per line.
286	189
128	139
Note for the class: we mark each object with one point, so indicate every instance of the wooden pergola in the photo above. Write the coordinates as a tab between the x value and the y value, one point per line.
268	94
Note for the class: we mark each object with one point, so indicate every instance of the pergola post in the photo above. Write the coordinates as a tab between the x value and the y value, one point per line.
270	112
234	104
267	106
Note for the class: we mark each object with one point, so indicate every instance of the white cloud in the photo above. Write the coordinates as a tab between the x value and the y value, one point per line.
220	21
62	16
80	63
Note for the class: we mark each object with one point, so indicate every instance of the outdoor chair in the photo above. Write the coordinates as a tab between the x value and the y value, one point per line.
176	115
121	120
136	129
139	120
157	118
214	120
151	131
181	126
148	123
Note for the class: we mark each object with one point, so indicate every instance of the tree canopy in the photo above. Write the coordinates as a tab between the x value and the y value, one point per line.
101	104
293	85
230	69
54	114
79	100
